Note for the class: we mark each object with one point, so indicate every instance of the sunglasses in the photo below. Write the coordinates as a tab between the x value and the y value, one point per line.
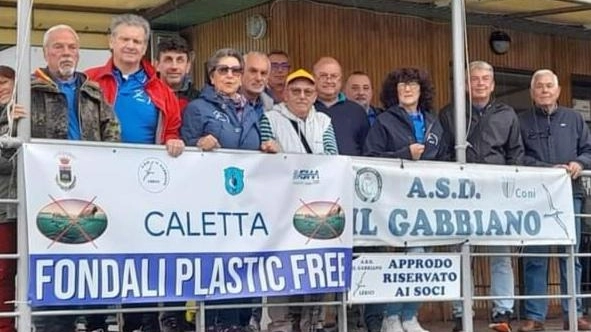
224	70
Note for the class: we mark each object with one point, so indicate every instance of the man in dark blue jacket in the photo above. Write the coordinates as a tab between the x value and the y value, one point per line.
554	136
348	118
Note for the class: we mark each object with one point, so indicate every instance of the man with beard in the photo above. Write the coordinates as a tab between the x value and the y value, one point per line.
65	104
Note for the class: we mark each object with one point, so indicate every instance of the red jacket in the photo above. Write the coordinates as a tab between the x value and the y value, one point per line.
162	96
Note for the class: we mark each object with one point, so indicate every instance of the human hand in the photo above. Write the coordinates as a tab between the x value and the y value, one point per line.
175	147
416	150
208	143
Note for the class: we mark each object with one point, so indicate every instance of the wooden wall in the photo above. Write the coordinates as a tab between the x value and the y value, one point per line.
378	43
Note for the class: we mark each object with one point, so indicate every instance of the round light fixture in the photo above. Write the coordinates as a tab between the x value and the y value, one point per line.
256	26
500	42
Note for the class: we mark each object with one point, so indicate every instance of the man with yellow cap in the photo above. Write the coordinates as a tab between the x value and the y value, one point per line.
294	125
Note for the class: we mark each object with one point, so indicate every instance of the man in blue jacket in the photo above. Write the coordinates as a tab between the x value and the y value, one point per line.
554	136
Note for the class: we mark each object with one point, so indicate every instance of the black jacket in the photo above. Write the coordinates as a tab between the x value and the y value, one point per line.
493	134
393	133
556	139
350	124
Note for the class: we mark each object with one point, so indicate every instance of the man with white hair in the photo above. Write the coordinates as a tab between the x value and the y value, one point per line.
553	136
493	137
65	104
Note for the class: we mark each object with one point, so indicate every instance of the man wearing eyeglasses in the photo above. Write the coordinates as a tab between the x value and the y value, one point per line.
294	125
279	69
348	118
146	107
554	136
493	137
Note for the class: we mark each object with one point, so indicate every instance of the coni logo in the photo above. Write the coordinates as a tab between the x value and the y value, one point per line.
511	191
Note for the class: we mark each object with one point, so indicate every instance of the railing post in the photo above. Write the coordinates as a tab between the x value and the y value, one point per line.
467	302
570	286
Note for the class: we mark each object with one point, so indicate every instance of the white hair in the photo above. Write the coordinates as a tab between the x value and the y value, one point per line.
56	28
482	65
543	72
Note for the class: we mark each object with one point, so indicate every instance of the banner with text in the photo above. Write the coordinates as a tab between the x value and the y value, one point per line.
114	224
432	203
409	277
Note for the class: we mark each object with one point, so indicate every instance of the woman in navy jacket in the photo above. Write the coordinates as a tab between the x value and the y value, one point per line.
221	117
406	130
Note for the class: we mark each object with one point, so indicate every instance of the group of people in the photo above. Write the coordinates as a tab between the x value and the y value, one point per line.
257	102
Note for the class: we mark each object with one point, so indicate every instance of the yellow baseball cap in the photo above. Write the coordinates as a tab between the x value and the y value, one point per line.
300	73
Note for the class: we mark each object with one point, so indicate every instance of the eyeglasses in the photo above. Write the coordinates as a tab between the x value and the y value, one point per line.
224	70
296	92
410	85
280	65
325	77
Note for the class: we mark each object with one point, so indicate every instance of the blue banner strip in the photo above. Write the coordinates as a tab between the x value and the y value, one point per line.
77	279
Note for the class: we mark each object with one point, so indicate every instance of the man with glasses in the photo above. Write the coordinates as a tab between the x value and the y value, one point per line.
493	137
146	107
358	88
295	125
554	136
279	69
348	118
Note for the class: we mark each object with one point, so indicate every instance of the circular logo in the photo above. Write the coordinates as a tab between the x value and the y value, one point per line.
368	184
153	175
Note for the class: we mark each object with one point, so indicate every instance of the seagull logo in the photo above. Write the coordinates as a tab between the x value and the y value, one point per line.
359	284
554	212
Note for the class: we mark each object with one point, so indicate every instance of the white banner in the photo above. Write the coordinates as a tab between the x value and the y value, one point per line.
403	278
430	203
121	225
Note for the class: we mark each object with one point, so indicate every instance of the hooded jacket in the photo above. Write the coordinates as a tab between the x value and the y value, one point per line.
316	128
493	134
210	114
556	139
164	99
393	132
49	110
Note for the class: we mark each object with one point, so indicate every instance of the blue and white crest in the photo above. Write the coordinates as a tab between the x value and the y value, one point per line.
234	180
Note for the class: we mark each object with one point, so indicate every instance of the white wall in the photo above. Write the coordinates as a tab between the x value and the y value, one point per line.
88	58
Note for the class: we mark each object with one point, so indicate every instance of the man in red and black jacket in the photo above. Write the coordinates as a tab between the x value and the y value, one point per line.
147	109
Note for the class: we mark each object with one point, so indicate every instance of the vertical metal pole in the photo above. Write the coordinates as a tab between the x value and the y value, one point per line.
342	315
570	286
23	55
458	24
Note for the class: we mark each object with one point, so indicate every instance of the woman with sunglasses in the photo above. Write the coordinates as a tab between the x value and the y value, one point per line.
222	117
406	130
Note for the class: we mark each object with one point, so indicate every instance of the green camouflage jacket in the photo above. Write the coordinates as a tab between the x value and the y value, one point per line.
49	110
